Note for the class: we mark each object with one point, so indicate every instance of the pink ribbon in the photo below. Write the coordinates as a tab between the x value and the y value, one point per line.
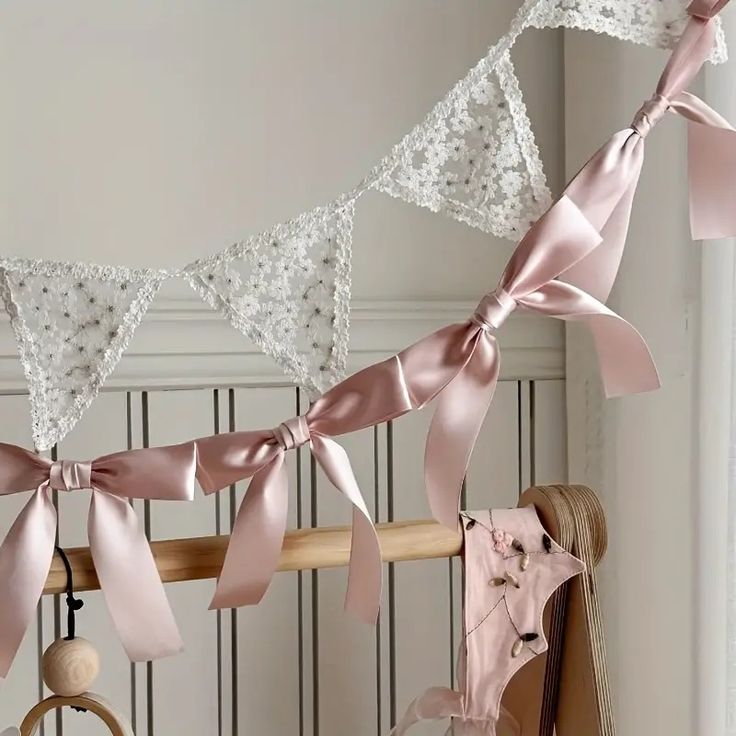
459	364
255	544
121	554
604	188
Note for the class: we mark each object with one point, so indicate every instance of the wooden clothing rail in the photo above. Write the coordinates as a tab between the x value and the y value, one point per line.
199	558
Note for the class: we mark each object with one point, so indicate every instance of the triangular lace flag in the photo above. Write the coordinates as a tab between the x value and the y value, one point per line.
288	290
657	23
474	156
72	323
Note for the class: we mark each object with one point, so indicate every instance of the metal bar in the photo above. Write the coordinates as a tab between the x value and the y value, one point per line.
233	611
57	598
218	530
377	515
532	434
315	603
300	577
391	577
147	526
133	685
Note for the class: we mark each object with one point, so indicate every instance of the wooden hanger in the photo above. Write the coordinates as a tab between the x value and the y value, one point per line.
89	702
565	691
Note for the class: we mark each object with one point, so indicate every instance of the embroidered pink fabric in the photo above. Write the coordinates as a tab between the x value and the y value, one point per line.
125	566
504	602
257	536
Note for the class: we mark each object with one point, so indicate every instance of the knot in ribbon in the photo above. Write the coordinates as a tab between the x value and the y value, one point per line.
70	475
122	557
649	114
293	433
493	309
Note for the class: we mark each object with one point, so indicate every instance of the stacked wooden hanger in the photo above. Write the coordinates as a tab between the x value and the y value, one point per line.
566	690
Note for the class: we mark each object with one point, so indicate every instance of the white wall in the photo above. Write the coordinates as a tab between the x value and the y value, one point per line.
151	133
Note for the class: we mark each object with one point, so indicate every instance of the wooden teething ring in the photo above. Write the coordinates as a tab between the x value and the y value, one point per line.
89	701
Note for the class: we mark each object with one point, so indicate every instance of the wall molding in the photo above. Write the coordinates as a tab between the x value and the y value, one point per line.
182	343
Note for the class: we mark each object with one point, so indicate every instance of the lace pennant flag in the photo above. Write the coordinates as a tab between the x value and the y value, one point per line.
657	23
72	323
474	157
288	290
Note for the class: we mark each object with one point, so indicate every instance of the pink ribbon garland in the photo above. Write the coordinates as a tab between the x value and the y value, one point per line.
459	365
122	557
604	188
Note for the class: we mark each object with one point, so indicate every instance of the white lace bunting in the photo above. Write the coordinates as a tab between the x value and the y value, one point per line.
656	23
474	157
288	290
72	323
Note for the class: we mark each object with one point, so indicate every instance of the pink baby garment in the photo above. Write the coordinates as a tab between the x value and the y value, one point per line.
512	567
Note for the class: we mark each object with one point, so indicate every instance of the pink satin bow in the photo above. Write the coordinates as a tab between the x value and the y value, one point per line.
459	365
604	188
257	536
123	560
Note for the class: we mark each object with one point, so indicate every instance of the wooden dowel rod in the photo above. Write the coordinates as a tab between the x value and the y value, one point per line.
199	558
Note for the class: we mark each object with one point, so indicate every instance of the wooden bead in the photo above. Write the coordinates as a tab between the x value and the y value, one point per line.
70	666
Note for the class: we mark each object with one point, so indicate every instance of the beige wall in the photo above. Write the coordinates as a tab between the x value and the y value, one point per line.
152	133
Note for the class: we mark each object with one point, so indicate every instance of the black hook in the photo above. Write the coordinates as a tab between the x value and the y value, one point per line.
73	604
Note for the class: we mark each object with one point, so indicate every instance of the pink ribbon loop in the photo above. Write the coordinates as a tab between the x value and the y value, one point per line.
649	114
70	475
494	309
292	433
257	536
123	560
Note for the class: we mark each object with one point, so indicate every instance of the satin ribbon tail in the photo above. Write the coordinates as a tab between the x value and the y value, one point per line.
255	542
712	172
25	558
461	408
129	580
365	575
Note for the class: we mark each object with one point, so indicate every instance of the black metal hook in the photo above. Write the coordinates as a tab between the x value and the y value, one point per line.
73	604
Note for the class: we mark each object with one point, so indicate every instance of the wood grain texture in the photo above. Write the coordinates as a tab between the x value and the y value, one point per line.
89	702
199	558
70	666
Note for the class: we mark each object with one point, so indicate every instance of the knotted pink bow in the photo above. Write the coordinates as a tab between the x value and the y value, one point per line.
459	364
257	536
604	188
122	557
